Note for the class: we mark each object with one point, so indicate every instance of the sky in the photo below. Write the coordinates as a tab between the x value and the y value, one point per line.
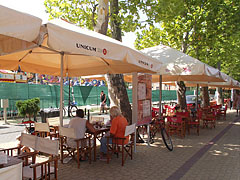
37	8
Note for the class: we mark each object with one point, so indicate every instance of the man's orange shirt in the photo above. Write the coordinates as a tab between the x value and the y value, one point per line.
118	127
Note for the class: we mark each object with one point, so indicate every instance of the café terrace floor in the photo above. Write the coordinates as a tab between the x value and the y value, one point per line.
214	154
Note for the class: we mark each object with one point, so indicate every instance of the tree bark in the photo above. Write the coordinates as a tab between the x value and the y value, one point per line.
116	85
117	92
181	90
115	23
205	96
219	90
103	16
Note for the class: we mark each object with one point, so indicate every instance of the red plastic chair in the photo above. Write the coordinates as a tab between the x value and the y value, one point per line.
175	125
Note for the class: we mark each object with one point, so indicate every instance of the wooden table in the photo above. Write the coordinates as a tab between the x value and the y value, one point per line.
12	170
95	137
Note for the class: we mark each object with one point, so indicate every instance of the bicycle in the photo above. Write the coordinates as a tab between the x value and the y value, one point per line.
72	109
157	125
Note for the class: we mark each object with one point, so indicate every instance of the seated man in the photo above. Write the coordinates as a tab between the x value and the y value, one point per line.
80	125
118	126
193	110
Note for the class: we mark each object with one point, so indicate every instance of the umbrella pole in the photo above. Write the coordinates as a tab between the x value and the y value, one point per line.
197	97
160	95
134	105
61	91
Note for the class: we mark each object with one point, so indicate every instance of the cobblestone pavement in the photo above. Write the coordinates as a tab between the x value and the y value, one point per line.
214	154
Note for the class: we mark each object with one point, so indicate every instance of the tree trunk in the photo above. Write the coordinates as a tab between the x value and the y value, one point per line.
116	87
205	96
118	94
219	90
220	96
181	90
115	23
103	16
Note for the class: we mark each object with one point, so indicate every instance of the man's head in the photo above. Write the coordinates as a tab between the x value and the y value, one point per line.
80	113
102	92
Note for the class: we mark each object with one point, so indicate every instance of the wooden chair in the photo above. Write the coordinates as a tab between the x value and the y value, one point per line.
54	123
73	146
118	145
217	108
43	130
209	118
96	119
223	111
29	147
23	149
175	125
194	122
43	169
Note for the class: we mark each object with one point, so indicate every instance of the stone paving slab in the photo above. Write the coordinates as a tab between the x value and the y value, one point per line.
156	162
220	161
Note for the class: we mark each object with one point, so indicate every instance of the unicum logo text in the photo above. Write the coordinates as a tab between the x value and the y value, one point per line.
89	48
145	63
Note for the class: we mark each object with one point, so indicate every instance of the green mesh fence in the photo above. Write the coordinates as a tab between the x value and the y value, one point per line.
50	94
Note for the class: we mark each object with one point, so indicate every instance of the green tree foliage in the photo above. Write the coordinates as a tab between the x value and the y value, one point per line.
28	107
205	29
84	12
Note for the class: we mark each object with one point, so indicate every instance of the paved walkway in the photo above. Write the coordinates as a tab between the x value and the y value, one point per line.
215	154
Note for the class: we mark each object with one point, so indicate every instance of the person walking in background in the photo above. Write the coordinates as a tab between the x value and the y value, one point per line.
103	99
236	103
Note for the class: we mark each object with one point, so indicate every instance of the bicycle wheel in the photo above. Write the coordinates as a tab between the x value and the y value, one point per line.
166	139
73	110
64	112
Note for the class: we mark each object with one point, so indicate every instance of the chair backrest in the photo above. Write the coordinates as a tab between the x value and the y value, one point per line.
68	132
53	121
226	106
40	144
199	114
184	114
47	146
41	127
96	119
174	119
130	129
28	140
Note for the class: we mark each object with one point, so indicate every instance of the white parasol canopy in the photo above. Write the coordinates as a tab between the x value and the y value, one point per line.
178	66
85	53
66	50
18	30
229	83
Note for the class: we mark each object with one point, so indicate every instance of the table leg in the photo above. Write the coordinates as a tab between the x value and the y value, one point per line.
95	146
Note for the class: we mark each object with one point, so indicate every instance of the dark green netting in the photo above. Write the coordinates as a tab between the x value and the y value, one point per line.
50	94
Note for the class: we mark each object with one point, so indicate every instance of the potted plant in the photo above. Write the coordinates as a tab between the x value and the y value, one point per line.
28	108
